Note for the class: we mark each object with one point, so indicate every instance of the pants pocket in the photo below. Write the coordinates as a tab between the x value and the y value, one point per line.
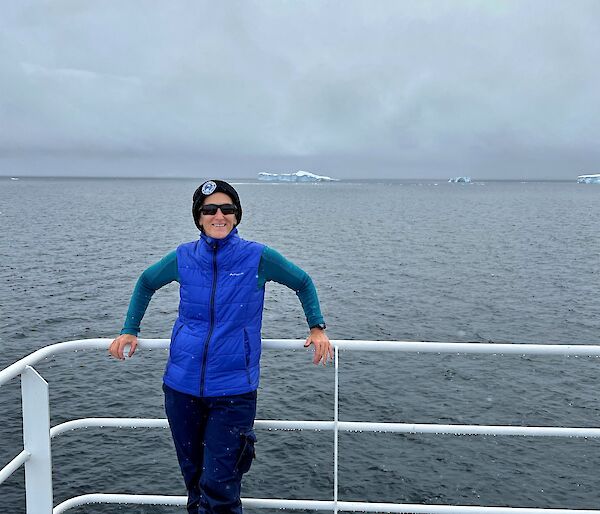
247	452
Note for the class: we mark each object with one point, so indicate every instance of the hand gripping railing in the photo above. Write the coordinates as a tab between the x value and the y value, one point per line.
36	455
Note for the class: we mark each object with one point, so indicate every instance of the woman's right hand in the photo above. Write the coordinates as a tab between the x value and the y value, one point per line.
118	345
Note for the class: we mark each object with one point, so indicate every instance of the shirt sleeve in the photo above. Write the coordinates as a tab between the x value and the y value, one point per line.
275	267
156	276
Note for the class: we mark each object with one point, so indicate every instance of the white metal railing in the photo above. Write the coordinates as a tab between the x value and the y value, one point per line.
37	434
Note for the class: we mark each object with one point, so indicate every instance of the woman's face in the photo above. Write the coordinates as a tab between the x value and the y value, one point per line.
217	225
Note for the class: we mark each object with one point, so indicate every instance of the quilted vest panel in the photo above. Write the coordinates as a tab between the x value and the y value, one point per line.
216	340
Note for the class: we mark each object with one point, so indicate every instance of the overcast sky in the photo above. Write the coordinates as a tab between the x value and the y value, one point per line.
345	88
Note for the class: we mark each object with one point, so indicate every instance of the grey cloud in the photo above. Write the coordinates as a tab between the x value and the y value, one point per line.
401	85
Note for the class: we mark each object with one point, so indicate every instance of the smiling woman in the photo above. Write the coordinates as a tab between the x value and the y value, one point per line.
217	216
216	208
213	370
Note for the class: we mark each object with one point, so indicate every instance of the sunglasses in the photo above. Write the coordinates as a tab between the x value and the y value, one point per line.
210	209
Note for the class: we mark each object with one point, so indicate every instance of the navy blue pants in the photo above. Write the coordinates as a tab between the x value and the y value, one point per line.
214	440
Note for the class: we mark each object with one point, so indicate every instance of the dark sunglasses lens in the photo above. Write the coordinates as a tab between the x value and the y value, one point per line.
209	209
228	208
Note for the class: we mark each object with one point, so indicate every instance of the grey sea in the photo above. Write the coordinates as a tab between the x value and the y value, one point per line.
392	260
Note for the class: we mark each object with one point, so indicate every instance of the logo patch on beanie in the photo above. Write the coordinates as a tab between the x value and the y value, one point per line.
208	188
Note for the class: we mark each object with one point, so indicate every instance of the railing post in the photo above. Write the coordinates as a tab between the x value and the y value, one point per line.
36	440
336	430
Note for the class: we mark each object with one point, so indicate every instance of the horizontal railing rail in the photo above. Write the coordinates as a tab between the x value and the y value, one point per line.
345	426
316	505
36	453
581	350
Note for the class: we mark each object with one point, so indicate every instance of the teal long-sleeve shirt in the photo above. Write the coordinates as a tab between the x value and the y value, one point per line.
273	267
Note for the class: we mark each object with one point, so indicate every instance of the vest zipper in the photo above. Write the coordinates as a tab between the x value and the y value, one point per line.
212	321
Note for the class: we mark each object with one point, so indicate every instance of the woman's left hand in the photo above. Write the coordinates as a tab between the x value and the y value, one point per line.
323	348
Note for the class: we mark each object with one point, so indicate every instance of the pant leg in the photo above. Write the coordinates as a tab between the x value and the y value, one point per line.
187	417
228	452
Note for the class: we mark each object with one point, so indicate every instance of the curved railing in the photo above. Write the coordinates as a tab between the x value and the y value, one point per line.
37	433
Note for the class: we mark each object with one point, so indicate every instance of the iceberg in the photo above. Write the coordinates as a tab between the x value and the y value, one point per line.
299	176
589	179
460	180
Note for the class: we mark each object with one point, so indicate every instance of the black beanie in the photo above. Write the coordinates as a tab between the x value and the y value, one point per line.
208	188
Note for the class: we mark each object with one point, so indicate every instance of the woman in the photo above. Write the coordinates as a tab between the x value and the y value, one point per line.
212	374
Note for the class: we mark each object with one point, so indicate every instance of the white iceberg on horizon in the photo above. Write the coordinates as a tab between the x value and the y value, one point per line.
460	180
589	179
298	176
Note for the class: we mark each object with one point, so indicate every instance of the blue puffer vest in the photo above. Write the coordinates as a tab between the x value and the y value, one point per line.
215	343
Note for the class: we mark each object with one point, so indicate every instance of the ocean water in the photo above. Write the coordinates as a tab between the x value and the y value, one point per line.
392	260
